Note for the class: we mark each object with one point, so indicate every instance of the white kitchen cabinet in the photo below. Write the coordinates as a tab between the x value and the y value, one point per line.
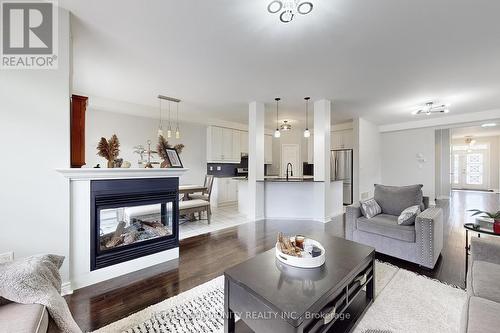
268	149
236	140
224	192
244	142
223	145
343	139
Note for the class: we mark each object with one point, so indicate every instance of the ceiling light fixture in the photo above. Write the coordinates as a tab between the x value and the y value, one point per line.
307	133
488	125
287	9
160	125
285	126
169	131
430	108
277	133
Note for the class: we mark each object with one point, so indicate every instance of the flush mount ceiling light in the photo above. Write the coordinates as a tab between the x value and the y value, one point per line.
430	108
277	133
285	126
488	125
287	9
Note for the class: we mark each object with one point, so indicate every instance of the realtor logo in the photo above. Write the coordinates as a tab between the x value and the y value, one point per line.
29	39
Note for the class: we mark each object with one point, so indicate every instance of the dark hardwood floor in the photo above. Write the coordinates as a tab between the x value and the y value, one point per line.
205	257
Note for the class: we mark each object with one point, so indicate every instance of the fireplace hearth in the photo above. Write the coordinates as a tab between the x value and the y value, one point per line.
131	218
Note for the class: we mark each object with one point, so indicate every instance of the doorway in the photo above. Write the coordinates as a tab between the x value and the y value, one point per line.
470	167
290	153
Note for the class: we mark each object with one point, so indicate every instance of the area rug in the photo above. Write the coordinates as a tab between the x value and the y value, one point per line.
405	302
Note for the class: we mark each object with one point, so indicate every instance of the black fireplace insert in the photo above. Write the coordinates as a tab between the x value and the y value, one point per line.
131	218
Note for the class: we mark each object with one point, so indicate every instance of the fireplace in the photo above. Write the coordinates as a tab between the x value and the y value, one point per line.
131	218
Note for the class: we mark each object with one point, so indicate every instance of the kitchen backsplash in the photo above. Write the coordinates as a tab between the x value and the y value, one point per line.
222	170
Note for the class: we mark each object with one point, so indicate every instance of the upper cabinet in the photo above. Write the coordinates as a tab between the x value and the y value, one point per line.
268	149
223	145
244	142
343	139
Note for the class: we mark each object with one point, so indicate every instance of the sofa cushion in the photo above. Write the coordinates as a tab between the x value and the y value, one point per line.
394	199
480	316
408	215
484	280
370	208
387	225
23	318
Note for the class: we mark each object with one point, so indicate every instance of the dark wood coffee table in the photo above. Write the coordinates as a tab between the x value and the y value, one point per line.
270	296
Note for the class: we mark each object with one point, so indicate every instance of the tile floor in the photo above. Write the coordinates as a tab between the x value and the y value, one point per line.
222	217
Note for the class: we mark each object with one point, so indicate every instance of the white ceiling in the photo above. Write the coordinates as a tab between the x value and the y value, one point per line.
476	131
377	59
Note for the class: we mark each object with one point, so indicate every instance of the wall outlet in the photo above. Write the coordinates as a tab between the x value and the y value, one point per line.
211	168
219	168
6	257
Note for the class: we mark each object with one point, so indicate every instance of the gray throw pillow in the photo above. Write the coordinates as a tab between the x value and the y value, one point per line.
408	215
370	208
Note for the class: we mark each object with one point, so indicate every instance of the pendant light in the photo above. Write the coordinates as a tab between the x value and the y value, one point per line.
177	132
160	125
277	133
169	131
307	133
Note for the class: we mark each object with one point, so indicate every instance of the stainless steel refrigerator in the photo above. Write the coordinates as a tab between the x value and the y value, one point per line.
341	169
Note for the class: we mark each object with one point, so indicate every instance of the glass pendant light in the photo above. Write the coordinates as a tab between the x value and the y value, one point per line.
177	132
169	131
160	125
307	133
277	133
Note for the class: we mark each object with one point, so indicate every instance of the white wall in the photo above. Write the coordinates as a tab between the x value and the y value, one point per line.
369	154
34	131
133	130
443	146
399	163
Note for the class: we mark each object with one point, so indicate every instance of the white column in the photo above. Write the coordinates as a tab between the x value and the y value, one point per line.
256	112
322	129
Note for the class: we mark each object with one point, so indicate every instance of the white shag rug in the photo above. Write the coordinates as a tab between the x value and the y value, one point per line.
405	302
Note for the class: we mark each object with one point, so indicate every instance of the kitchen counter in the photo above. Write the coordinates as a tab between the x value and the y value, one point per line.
289	180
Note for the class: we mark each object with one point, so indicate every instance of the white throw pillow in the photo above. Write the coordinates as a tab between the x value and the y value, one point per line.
408	215
370	208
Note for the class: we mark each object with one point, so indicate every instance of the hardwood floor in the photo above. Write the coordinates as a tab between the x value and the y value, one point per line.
205	257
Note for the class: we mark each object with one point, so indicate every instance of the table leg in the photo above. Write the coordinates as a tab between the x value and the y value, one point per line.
466	255
229	320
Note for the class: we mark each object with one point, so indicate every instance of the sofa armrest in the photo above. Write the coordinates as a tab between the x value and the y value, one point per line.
429	236
485	250
352	214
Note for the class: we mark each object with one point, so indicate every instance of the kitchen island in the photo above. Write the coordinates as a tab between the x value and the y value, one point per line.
293	198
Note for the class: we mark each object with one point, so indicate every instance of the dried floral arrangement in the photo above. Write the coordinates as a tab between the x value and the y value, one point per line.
287	247
109	149
162	150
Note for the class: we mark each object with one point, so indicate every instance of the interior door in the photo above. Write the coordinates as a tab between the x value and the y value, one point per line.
290	153
470	169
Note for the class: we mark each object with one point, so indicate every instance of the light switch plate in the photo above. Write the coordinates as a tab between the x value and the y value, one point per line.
6	257
211	168
219	168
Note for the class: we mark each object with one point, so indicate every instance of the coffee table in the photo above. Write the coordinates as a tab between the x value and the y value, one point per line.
269	296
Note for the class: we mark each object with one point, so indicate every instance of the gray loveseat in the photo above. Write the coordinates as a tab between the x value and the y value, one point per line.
420	243
482	309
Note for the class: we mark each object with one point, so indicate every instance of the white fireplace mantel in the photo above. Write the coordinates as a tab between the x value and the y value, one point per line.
120	173
80	225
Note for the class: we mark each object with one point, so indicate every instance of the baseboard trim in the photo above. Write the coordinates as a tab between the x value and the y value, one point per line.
443	197
66	289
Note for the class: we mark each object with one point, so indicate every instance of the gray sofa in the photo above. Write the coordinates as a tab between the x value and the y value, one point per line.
32	318
482	309
420	243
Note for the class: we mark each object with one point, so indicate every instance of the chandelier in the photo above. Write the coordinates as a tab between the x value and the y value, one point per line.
430	108
287	9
